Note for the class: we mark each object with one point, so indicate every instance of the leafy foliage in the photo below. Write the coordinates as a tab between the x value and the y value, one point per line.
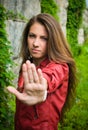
15	16
76	118
74	21
49	6
6	75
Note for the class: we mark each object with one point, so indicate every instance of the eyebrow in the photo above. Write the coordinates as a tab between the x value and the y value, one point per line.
42	36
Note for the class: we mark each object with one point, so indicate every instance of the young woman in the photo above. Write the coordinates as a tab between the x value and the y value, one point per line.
47	75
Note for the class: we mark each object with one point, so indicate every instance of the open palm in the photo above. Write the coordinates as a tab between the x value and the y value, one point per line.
35	85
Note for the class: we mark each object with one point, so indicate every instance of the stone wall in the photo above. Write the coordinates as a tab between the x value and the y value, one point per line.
85	22
28	8
81	36
63	4
85	18
14	28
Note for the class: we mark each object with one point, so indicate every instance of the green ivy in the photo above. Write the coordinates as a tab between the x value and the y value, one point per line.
74	21
6	75
86	33
76	118
15	16
50	6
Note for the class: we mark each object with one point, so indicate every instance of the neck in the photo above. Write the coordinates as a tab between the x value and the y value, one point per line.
38	61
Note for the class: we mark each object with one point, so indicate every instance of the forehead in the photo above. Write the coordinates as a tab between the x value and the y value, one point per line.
38	28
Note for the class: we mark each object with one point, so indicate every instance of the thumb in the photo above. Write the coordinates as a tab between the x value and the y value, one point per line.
14	91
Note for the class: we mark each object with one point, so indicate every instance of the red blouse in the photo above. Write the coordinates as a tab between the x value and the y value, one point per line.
46	115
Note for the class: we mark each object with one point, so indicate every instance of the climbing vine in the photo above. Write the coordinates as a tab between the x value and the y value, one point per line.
76	118
74	21
6	75
15	16
50	6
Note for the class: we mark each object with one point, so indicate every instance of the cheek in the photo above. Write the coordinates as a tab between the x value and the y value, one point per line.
29	43
45	48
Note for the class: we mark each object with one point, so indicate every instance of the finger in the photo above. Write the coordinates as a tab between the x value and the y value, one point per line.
42	79
25	74
27	99
15	92
30	74
35	74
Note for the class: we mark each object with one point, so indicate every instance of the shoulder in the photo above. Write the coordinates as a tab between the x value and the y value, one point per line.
55	74
53	66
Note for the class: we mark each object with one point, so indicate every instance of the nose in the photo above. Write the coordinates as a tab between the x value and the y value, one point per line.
36	42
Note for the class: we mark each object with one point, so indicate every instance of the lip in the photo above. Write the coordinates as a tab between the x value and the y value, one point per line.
35	50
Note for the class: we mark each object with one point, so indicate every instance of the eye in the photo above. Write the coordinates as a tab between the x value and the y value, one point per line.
44	38
31	35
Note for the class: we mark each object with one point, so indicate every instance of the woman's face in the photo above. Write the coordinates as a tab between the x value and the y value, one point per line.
37	41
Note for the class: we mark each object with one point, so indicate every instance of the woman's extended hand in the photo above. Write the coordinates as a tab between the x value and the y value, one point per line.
35	85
